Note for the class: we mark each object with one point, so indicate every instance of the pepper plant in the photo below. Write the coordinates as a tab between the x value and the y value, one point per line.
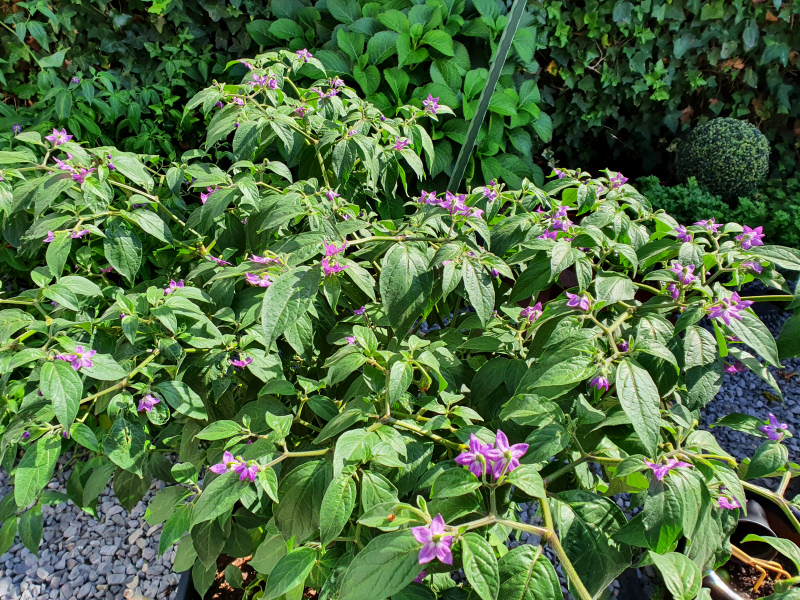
359	388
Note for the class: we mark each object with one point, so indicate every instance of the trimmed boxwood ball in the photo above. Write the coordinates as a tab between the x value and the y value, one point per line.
727	156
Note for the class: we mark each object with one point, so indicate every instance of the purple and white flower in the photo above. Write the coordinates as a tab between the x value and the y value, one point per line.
580	301
58	137
773	429
661	470
476	458
435	543
431	104
682	234
173	287
532	313
147	403
750	237
79	359
505	458
258	279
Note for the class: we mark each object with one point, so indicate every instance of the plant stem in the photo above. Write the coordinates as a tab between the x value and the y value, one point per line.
122	383
769	298
427	434
555	544
777	499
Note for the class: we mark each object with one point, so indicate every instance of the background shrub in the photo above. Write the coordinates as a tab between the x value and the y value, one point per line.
727	156
621	75
775	206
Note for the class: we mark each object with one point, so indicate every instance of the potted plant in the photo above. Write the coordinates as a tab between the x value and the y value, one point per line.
294	339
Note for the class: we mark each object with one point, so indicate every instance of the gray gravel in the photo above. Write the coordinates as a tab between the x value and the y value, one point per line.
81	558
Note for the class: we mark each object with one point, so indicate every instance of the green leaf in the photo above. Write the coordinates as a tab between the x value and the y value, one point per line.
480	291
337	506
767	459
546	442
62	385
788	342
640	400
220	430
54	60
756	335
783	545
376	489
268	553
8	533
406	285
440	40
369	78
183	399
208	541
218	497
612	287
681	575
164	503
286	29
384	567
36	469
125	445
286	300
122	248
344	11
527	479
480	566
174	528
152	224
58	252
11	321
380	47
301	493
290	571
31	527
454	482
586	523
525	574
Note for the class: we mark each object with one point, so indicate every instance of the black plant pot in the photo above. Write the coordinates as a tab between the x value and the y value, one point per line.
763	518
186	589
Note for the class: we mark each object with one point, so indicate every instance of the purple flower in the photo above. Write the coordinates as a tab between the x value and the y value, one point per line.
431	104
736	367
64	166
172	286
263	260
335	82
240	363
218	104
108	269
400	144
420	577
75	80
352	132
246	471
81	176
58	137
50	237
332	250
562	223
346	217
304	54
78	234
547	235
65	434
623	346
228	463
259	80
684	273
238	101
17	128
600	382
532	313
729	503
147	403
246	64
681	233
475	459
209	190
301	111
618	180
435	543
750	237
773	427
673	289
351	339
359	312
27	434
495	273
428	198
272	84
260	279
505	458
236	124
709	225
580	301
331	268
219	261
81	358
660	471
728	308
753	266
330	195
559	173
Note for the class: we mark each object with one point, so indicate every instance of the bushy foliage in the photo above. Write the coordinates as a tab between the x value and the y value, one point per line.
775	206
727	156
269	334
625	75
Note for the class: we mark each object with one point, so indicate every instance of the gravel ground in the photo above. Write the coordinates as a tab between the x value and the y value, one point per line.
82	558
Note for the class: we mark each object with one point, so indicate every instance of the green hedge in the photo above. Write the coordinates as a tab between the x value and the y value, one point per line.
630	75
